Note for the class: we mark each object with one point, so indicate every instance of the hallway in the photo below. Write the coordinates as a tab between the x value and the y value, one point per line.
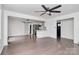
22	45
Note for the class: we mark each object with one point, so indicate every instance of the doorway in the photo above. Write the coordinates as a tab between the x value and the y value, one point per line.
65	29
33	30
58	30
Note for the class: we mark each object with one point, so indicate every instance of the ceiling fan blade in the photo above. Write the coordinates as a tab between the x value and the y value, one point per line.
39	11
44	7
42	13
56	11
55	7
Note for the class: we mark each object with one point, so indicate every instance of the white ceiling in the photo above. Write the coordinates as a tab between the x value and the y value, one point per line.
30	8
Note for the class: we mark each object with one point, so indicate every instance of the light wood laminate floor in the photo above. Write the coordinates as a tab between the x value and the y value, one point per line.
42	46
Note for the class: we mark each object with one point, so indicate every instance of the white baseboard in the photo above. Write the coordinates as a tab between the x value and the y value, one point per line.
67	38
16	35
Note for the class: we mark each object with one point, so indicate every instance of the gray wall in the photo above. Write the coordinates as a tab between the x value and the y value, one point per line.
16	27
67	28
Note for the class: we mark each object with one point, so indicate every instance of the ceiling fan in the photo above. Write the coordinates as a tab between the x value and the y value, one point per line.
48	10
